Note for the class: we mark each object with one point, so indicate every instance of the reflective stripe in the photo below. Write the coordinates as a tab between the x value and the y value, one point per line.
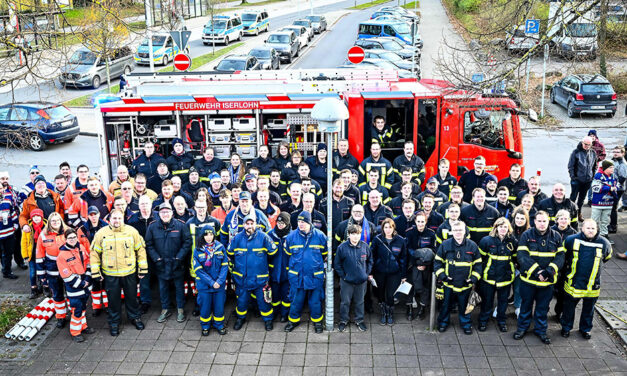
293	272
221	318
285	304
262	275
319	272
294	319
205	319
240	313
318	319
237	274
52	272
266	314
456	289
76	293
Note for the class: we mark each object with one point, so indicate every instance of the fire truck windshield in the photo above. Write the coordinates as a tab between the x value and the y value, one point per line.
486	127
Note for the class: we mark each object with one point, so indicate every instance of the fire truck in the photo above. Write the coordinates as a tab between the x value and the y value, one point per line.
238	112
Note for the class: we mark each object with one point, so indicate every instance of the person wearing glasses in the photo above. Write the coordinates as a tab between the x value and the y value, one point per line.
121	177
30	186
74	192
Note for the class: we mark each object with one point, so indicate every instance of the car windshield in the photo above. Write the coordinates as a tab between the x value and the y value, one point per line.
301	23
597	89
249	16
157	40
83	58
296	30
278	38
391	46
402	28
261	54
232	65
391	56
217	24
519	33
58	112
314	18
582	30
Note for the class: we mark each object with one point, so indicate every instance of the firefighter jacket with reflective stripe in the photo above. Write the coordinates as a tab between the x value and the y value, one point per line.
168	244
445	185
439	198
344	162
340	210
551	206
444	232
582	268
364	191
514	187
458	265
206	168
73	264
386	176
280	261
390	256
249	259
479	222
353	263
234	224
377	215
416	164
307	252
564	233
180	164
48	245
538	252
118	252
498	260
210	265
8	210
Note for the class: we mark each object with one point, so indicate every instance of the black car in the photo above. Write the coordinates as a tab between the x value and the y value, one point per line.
234	63
585	94
267	57
37	124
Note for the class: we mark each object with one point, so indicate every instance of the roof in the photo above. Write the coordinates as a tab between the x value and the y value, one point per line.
237	57
589	78
282	32
262	47
36	104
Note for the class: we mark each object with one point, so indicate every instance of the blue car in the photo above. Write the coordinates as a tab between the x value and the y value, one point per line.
37	124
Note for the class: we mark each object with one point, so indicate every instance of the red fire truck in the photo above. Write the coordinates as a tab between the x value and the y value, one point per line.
239	112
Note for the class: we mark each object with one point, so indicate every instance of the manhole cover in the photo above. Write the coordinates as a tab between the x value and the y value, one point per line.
614	312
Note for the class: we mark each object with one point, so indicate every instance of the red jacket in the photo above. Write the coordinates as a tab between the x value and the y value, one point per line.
31	204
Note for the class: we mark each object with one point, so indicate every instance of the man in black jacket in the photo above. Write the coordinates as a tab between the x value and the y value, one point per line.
340	205
147	162
411	160
140	222
581	168
343	159
473	179
208	164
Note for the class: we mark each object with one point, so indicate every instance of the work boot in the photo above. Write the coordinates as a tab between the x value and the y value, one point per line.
144	308
318	327
422	311
384	314
291	326
410	312
114	331
163	317
10	276
34	293
79	338
61	323
390	315
239	323
88	330
269	325
180	317
97	312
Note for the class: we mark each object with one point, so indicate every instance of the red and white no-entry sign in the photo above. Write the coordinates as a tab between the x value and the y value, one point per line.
356	54
182	62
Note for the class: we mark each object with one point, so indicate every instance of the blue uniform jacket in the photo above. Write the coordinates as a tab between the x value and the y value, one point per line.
170	243
279	263
390	257
306	253
233	226
353	264
210	266
146	165
249	257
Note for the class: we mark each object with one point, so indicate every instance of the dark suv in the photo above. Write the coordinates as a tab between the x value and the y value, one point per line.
585	94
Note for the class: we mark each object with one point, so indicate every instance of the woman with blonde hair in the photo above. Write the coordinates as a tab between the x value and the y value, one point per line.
498	251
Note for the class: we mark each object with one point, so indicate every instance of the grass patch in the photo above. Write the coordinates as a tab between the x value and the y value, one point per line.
85	100
138	25
73	17
370	4
412	5
12	311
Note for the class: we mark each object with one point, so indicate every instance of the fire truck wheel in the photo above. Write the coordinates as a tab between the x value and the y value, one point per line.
36	143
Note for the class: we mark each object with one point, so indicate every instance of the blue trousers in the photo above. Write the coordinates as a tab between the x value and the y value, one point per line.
145	295
243	298
314	299
541	296
212	308
79	303
461	299
516	290
487	292
281	297
32	272
568	313
164	292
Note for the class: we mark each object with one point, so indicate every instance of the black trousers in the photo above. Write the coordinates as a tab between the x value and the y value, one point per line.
7	246
17	248
387	283
614	214
114	286
421	289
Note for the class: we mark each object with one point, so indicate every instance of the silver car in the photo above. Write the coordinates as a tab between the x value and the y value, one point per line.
85	68
392	58
286	43
318	22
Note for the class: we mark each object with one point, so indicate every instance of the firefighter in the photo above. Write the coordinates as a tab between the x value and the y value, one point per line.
155	182
36	225
457	196
208	164
343	159
74	268
458	265
283	156
40	198
514	183
444	231
140	222
540	256
381	133
375	211
404	221
373	185
557	202
431	188
86	233
248	253
411	160
93	196
533	188
269	209
210	268
478	216
434	219
179	160
379	162
445	180
120	177
473	179
584	253
279	263
406	177
264	162
193	183
147	162
318	166
289	173
418	238
340	205
50	240
503	202
293	201
350	190
234	221
562	226
389	252
368	230
307	248
309	185
498	251
122	249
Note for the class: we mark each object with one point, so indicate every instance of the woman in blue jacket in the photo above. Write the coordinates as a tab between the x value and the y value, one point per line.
211	266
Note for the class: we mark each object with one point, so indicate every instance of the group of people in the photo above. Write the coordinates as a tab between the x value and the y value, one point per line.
259	232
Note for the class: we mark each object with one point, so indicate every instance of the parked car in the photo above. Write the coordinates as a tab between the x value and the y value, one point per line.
402	11
307	24
392	58
255	22
234	63
585	94
163	50
301	34
381	64
37	124
516	40
85	68
224	29
390	44
268	57
286	44
318	22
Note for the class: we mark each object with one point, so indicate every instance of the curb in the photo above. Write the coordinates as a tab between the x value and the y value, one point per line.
88	134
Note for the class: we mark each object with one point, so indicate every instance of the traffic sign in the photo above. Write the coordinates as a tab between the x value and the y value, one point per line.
180	38
532	26
356	54
182	62
477	78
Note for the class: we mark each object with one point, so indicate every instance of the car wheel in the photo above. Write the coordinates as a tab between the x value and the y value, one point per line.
257	32
36	143
165	60
611	114
226	41
289	59
205	43
127	70
95	82
239	37
571	110
553	96
297	52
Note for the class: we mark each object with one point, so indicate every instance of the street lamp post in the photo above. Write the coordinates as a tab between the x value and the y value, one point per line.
329	113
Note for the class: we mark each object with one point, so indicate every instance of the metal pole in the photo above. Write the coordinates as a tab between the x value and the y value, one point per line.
149	34
546	54
329	299
413	42
432	304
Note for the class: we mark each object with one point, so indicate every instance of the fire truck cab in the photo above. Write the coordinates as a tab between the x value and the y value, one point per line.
241	111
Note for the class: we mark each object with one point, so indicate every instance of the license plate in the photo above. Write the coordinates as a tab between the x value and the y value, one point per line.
598	107
67	123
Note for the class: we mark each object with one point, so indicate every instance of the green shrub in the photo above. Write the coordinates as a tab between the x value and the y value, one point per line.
468	5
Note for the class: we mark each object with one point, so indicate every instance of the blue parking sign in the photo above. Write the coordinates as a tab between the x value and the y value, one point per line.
532	26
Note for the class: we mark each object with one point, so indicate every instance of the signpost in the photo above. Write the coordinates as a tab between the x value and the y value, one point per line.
182	62
356	54
180	38
531	27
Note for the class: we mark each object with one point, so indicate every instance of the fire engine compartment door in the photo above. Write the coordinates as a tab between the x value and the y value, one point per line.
426	139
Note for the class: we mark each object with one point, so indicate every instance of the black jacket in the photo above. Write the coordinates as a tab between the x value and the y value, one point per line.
420	239
469	181
344	162
540	253
446	184
154	183
340	210
439	198
551	206
442	208
353	193
146	165
417	167
390	257
404	224
191	189
377	216
395	191
479	222
169	243
499	257
434	220
514	187
180	164
341	234
537	198
353	264
265	166
141	224
458	266
582	164
504	210
396	204
206	168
